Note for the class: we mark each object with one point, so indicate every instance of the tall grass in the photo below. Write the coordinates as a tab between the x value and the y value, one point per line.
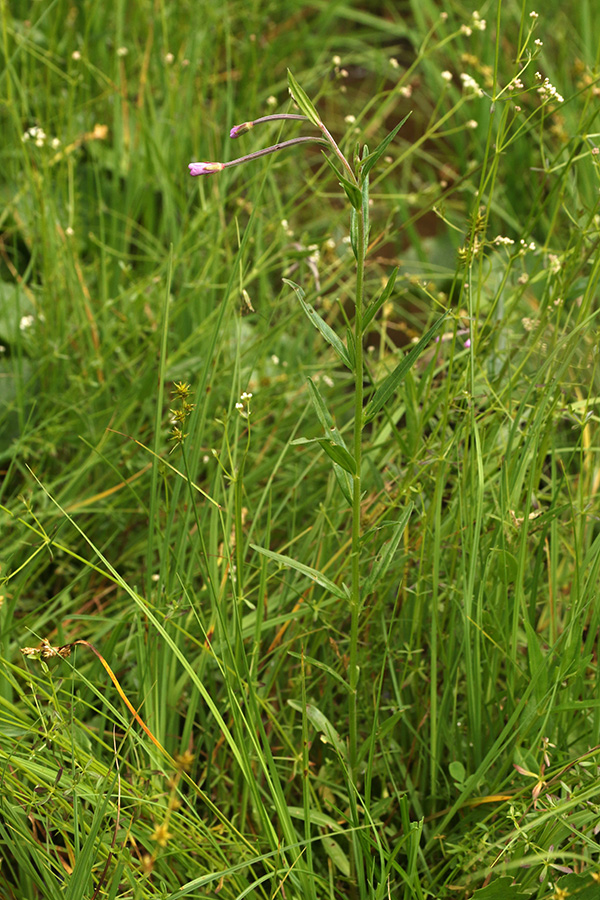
303	642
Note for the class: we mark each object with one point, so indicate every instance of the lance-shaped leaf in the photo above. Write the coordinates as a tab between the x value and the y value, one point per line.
352	191
321	325
372	158
320	721
372	310
395	378
342	472
339	455
382	564
311	573
302	99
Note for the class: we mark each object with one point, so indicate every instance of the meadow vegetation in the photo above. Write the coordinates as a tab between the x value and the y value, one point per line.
295	611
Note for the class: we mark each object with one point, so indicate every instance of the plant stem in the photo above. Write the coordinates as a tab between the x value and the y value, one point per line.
355	599
356	496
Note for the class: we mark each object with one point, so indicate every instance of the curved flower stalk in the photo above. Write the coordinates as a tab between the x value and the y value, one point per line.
211	168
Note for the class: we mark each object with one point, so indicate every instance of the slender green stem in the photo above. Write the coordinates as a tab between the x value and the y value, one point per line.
356	518
355	599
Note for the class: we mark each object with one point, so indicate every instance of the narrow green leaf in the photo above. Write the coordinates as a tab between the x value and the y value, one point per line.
320	721
339	455
332	848
321	820
372	310
302	99
321	325
333	167
310	660
336	855
352	191
350	346
354	233
323	414
313	574
395	378
383	562
366	210
374	157
325	418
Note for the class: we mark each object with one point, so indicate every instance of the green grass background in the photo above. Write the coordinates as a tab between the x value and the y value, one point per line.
121	276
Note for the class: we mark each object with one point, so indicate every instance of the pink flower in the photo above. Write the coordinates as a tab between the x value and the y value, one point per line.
240	129
205	168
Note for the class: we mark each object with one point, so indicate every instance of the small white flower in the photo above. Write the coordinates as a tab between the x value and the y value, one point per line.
275	359
533	15
538	43
472	123
26	322
406	91
169	58
271	101
447	76
76	55
337	60
69	231
55	143
122	51
466	30
349	120
394	63
470	85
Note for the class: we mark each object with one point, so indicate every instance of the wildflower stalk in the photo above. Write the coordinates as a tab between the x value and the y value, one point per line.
348	463
355	598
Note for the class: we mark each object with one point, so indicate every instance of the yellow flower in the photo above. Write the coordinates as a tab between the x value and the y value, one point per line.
161	835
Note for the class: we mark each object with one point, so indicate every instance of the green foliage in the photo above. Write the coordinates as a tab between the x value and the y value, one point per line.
410	733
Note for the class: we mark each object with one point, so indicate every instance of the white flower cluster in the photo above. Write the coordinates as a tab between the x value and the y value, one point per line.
36	134
477	22
554	263
506	241
547	91
470	86
243	404
39	137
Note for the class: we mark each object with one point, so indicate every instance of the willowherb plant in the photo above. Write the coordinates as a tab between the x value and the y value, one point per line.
346	460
